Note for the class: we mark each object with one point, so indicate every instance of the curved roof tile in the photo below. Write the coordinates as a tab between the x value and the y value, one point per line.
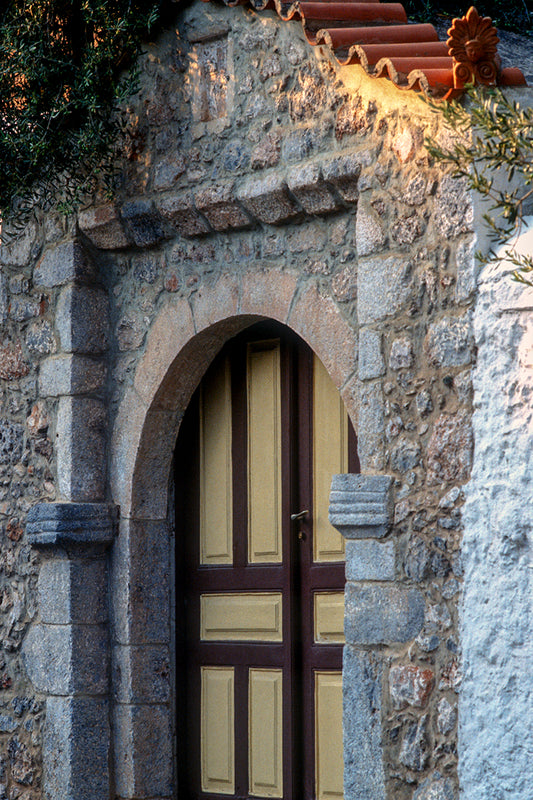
379	37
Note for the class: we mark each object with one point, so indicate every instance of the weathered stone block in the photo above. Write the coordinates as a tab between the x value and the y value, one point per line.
71	375
143	751
67	659
11	441
370	236
143	223
72	591
310	189
401	355
371	427
447	717
414	751
76	744
13	365
468	269
182	214
220	208
342	172
103	227
406	455
141	674
68	261
81	465
360	506
82	320
368	560
268	200
267	152
140	577
371	361
382	614
364	775
449	342
385	286
454	211
450	448
17	251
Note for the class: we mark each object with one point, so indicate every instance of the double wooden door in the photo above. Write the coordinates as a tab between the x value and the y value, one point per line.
260	575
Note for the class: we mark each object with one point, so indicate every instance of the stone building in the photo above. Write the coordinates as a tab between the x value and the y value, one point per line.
282	240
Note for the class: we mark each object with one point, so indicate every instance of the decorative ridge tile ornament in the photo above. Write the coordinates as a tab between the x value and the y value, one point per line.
473	45
378	37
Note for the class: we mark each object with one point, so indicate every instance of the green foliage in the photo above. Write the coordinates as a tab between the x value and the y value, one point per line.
512	15
62	71
494	140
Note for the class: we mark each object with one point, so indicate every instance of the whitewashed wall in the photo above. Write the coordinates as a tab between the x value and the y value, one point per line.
496	707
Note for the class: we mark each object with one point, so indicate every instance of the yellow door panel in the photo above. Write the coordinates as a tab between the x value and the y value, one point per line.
329	617
217	730
241	617
216	504
265	725
330	457
264	453
328	736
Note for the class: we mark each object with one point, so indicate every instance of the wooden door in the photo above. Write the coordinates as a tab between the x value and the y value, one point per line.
260	582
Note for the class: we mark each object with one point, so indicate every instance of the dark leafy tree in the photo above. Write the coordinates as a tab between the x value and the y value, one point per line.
64	67
512	15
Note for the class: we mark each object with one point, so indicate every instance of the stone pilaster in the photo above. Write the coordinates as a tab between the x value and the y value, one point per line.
76	375
67	653
378	611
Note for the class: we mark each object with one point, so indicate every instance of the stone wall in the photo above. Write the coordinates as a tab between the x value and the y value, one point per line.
261	179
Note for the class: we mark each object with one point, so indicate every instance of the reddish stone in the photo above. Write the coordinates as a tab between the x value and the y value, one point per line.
38	420
12	364
172	283
14	530
410	685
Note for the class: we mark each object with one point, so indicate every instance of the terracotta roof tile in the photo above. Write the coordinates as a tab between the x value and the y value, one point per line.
379	37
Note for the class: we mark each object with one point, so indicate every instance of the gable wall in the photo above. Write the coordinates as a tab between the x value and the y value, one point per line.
261	179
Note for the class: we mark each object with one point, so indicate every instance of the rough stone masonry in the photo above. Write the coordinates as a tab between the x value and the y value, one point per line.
261	180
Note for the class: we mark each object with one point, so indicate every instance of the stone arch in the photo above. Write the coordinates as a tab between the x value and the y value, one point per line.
182	342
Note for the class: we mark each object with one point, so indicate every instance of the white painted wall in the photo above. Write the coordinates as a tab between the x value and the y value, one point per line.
496	702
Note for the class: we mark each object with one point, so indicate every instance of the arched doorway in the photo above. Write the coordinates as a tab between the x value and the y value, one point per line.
260	574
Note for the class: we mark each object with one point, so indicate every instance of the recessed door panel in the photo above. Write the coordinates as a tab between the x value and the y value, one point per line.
217	730
216	504
330	457
264	453
328	735
265	746
261	688
241	617
329	617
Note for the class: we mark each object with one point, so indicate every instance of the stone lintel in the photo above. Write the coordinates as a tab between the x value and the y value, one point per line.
361	505
72	526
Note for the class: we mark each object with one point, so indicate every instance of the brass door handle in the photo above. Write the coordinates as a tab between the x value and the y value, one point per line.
299	515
